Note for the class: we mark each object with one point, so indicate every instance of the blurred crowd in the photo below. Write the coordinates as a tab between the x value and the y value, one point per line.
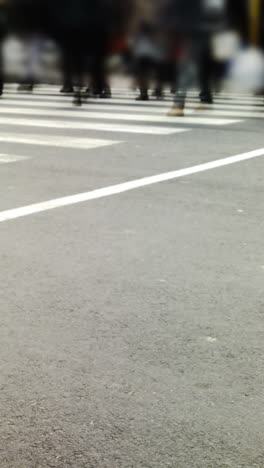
179	43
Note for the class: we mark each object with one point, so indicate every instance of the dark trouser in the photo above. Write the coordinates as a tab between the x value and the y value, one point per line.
144	70
196	61
98	74
67	69
73	63
1	68
75	54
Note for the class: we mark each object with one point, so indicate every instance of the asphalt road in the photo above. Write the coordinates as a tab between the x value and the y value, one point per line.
132	324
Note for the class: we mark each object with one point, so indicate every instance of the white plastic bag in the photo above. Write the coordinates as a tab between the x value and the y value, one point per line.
225	45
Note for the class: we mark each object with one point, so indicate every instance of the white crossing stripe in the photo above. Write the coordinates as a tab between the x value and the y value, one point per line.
8	158
58	101
126	92
196	120
66	124
126	88
130	99
232	113
60	141
215	109
129	93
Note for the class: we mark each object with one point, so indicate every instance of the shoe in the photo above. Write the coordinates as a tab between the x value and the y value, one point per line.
25	88
204	106
77	100
142	97
158	93
67	90
176	112
106	94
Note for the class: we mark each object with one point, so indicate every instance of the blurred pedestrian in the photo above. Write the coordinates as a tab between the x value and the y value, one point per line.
146	56
195	21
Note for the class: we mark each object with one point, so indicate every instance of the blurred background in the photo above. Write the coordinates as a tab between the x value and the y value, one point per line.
84	42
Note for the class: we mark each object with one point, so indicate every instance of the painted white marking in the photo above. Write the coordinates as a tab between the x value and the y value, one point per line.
116	116
190	99
211	339
232	113
144	129
124	187
216	109
8	158
61	100
126	89
230	107
49	140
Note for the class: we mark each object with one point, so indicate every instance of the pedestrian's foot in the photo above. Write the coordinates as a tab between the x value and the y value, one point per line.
157	93
88	93
67	90
204	106
176	112
77	100
25	87
142	97
106	94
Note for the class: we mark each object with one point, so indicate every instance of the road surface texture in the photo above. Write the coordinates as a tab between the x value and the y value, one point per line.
132	322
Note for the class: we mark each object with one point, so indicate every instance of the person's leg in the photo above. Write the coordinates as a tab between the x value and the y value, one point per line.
1	68
79	72
67	86
33	63
98	74
160	77
143	67
205	70
27	81
99	48
36	67
185	78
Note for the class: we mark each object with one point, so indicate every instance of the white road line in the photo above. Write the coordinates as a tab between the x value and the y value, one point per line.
119	116
49	140
168	96
44	97
124	187
128	105
231	113
191	101
127	89
130	92
123	128
8	158
169	100
218	109
127	92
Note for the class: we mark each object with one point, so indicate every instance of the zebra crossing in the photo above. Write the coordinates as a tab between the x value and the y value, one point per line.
46	109
7	158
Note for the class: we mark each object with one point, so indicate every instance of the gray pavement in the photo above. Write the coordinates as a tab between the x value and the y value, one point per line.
132	325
